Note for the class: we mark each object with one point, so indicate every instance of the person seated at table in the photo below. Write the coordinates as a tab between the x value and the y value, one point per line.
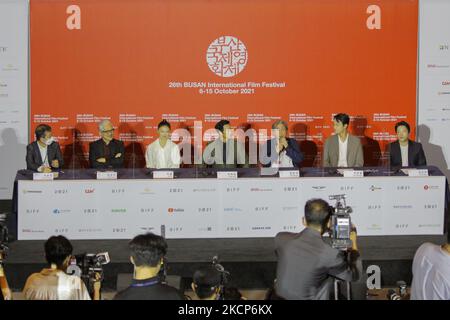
286	153
342	149
404	152
44	154
107	152
163	153
225	151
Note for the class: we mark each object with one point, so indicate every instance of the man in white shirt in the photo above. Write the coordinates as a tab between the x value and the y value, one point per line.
342	149
163	153
431	272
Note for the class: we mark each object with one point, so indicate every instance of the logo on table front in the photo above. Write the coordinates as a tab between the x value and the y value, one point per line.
226	56
428	187
147	210
205	229
147	191
119	210
289	228
174	210
32	191
61	191
401	226
374	188
319	188
232	209
260	190
32	211
290	208
147	229
89	191
262	228
430	206
60	211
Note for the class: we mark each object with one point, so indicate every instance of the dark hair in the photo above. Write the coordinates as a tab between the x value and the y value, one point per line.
164	123
41	130
206	280
219	125
57	249
147	249
343	118
317	212
404	124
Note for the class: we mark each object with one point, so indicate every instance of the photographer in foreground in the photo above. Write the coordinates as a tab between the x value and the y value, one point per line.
147	252
53	283
307	265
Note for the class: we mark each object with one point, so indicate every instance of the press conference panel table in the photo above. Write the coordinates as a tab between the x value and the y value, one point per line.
195	204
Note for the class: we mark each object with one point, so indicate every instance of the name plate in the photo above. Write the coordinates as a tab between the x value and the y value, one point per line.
416	172
43	176
289	173
227	175
106	175
163	175
353	174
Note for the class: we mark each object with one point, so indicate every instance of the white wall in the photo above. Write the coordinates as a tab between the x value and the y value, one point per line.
434	82
13	91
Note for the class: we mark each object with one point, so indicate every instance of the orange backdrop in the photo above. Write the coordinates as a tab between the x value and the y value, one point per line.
120	63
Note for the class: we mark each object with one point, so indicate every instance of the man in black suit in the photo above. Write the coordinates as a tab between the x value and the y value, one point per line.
44	154
306	263
405	152
107	152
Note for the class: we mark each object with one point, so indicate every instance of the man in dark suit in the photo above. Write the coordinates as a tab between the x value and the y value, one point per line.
282	152
405	152
107	152
44	154
306	263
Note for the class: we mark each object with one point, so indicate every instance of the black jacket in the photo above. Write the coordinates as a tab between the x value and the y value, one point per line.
416	156
34	159
292	151
98	149
149	289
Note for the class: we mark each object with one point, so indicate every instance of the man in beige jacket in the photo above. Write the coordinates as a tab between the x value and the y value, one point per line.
342	149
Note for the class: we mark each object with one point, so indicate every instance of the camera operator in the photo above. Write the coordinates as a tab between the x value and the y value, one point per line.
53	283
206	283
306	263
147	256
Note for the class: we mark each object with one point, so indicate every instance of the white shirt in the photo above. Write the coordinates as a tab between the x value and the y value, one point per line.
157	157
431	273
283	161
404	152
44	157
343	152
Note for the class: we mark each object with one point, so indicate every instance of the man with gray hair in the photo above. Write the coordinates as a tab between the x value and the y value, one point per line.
281	151
107	152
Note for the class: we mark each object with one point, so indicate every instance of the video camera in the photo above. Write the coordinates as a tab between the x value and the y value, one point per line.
224	277
341	224
87	266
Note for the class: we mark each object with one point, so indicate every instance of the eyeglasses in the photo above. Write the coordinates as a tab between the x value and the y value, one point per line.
108	131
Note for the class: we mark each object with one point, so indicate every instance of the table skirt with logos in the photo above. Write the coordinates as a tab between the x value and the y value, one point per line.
195	203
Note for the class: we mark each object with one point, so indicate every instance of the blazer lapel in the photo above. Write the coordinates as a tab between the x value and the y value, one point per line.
410	154
37	152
